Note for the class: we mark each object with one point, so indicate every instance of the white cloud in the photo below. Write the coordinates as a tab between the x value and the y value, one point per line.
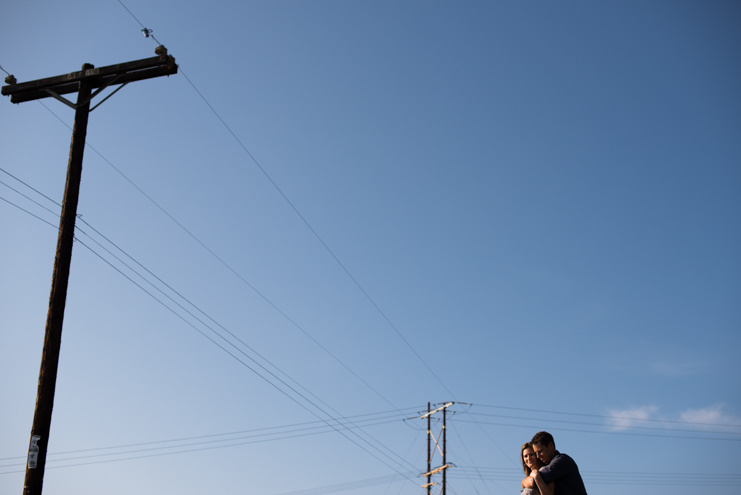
625	418
709	417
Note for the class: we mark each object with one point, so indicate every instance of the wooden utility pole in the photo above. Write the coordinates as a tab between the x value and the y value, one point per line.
83	83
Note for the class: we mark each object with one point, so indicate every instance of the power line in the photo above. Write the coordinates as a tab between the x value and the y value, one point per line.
478	473
225	264
486	434
306	222
225	350
28	212
28	198
208	317
218	258
270	430
610	432
198	240
493	470
618	477
258	374
353	485
33	189
472	413
198	309
601	424
241	352
256	436
269	372
147	32
245	345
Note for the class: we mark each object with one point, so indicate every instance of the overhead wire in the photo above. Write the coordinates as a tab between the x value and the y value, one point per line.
186	310
299	214
28	212
486	434
618	477
369	443
220	326
241	443
345	269
329	422
304	220
609	417
25	196
411	445
470	457
226	265
307	425
176	446
198	240
341	487
333	418
606	425
244	280
606	432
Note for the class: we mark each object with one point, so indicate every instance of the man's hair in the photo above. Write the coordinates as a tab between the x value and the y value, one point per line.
543	438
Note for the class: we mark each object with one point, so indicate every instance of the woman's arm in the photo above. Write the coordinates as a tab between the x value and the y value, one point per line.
545	489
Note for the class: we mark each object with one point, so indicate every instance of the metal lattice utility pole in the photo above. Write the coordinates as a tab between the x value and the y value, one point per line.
83	83
439	446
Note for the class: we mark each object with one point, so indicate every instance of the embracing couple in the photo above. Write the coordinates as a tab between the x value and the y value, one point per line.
547	470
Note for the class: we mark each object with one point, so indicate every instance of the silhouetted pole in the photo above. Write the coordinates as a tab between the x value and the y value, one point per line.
82	83
60	278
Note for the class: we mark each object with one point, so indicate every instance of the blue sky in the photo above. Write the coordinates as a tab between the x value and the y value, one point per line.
528	207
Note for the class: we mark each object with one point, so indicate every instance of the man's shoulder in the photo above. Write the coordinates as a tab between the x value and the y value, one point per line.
563	470
560	465
561	457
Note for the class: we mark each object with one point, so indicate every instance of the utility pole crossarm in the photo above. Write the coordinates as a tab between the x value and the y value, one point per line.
438	470
447	404
162	65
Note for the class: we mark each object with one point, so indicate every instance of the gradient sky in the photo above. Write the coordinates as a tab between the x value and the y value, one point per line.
529	208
